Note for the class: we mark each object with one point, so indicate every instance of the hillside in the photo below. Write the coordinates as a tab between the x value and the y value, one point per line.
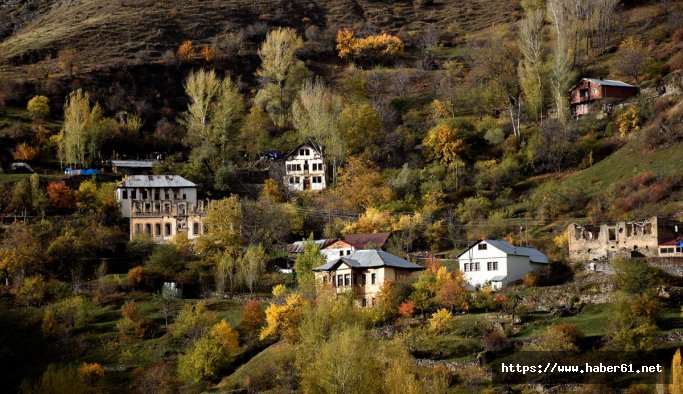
106	33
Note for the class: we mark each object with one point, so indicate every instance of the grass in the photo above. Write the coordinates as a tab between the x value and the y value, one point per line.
273	358
623	165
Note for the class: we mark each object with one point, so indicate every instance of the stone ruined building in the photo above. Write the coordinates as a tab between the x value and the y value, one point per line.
629	239
163	219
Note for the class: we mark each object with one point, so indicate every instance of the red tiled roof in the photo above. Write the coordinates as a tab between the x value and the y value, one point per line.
672	242
360	241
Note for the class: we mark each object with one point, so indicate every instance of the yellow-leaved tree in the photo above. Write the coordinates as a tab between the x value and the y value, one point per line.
283	320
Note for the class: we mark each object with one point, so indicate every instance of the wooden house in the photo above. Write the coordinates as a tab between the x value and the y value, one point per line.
592	94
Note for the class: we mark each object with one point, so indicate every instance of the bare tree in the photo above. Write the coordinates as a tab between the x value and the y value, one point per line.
530	39
560	65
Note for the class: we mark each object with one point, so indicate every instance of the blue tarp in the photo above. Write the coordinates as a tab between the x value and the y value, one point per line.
88	171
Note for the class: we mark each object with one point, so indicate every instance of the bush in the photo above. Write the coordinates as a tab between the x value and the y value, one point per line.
39	107
441	322
166	259
495	341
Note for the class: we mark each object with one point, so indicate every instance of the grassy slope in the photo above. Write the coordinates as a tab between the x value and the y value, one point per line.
622	165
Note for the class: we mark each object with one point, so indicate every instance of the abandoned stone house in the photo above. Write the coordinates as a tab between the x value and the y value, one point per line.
629	239
162	220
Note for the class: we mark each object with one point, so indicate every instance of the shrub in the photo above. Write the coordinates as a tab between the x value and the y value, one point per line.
253	318
440	322
186	51
530	279
39	107
60	195
25	152
208	53
165	259
495	341
202	362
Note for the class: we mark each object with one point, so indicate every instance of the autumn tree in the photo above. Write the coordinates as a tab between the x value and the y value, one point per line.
444	143
254	137
315	115
361	184
25	152
676	385
278	60
214	114
450	288
631	59
193	321
440	322
253	318
361	128
379	46
39	107
186	51
66	59
282	321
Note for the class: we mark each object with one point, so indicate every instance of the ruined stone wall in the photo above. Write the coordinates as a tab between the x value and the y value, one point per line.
670	265
628	239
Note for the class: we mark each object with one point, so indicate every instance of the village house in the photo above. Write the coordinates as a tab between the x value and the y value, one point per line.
364	272
305	169
625	238
132	167
154	188
163	220
498	263
591	95
353	242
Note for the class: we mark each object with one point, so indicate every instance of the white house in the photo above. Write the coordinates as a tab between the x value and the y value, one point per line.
337	249
305	169
154	188
498	263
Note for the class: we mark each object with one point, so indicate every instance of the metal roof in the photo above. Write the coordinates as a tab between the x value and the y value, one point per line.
156	181
498	278
609	82
298	246
305	144
370	259
360	241
535	256
133	163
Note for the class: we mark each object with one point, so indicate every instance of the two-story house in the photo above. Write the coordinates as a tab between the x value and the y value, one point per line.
163	219
590	93
305	169
498	263
150	188
364	272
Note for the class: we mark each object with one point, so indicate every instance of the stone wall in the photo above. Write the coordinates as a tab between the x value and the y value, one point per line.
670	265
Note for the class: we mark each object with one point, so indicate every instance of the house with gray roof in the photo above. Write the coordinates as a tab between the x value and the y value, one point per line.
154	188
596	94
498	263
364	272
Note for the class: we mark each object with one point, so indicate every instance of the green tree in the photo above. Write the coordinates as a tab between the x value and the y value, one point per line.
561	73
253	265
423	295
278	59
224	221
304	264
315	115
214	114
193	321
39	199
530	69
361	128
81	135
203	361
22	199
165	259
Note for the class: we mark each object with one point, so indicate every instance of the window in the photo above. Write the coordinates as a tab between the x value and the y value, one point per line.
156	195
341	253
347	279
291	179
144	194
301	152
481	246
133	194
492	266
476	267
372	302
138	228
167	229
362	280
466	267
148	228
373	278
195	228
348	252
157	229
363	302
340	280
124	194
184	196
